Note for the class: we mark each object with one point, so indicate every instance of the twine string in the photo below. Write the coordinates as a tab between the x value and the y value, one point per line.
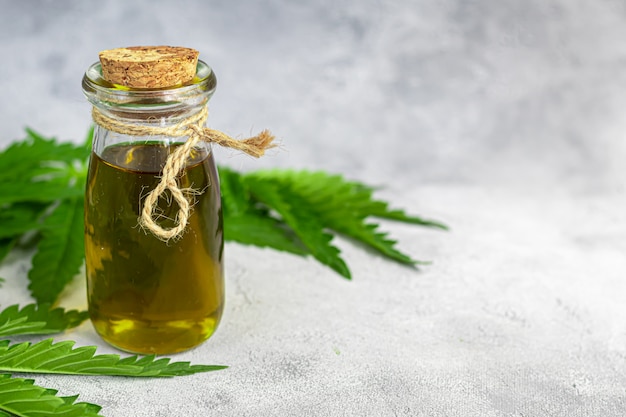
193	128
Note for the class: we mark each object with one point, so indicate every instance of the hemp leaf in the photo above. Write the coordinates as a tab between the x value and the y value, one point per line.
46	357
304	210
41	170
20	397
6	245
60	251
246	223
38	319
19	218
42	193
344	206
301	217
33	156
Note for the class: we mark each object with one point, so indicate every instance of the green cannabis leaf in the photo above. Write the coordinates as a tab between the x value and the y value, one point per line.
18	219
311	206
42	193
6	245
60	358
245	222
60	251
301	218
41	170
20	397
38	319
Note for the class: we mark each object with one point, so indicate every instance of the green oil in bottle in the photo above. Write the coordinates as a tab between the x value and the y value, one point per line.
146	295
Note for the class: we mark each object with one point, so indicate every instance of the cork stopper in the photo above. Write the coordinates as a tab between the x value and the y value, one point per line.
149	66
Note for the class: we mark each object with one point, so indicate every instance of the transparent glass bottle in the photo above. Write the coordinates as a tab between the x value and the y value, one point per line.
146	295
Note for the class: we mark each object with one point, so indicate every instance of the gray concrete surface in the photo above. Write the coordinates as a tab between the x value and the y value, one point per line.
505	119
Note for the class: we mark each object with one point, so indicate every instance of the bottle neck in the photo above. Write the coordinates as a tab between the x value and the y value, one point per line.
141	115
164	128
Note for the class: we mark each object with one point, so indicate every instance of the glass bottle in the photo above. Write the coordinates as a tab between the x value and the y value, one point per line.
146	295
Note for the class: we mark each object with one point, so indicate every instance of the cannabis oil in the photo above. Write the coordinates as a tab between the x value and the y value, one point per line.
146	295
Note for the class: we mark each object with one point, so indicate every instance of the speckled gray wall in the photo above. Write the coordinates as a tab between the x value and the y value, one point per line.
449	90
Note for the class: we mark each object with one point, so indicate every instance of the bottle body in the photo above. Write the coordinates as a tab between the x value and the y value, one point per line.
147	295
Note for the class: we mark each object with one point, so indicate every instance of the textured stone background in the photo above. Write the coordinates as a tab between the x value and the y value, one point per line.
503	119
